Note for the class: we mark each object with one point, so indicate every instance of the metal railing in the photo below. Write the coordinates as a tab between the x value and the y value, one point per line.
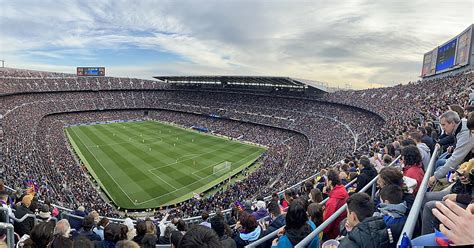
274	233
6	213
10	233
415	209
305	242
196	219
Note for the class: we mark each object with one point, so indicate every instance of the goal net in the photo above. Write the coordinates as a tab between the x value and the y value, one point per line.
222	168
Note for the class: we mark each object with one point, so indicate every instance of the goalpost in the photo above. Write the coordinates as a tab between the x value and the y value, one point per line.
222	168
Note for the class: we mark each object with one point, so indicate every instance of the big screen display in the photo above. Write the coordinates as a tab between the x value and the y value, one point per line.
464	45
91	71
429	63
446	55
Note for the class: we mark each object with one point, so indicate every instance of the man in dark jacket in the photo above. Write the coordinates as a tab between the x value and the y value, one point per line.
76	223
363	229
367	173
278	220
86	230
26	225
427	139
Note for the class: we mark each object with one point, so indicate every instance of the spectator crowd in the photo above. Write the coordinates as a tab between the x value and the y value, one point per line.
368	129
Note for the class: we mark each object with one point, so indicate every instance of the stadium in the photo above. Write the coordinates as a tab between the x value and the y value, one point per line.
175	153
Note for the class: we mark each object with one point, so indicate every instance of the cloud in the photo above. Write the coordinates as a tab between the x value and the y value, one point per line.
359	42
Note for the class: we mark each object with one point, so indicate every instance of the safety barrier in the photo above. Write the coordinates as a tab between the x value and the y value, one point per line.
415	209
305	242
274	233
10	233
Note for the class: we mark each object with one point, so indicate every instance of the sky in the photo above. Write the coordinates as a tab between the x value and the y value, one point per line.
349	43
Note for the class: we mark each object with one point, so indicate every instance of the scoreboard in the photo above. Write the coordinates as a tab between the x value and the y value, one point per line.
451	55
90	71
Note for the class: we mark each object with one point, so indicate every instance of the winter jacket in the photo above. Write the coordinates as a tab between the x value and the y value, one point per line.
463	151
370	233
409	199
25	226
227	242
446	140
138	239
463	192
425	155
276	224
104	244
416	172
90	235
76	223
337	198
99	231
429	142
243	239
260	213
148	241
366	175
206	224
293	237
394	216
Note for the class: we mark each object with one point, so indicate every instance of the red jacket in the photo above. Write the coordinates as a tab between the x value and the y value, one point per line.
337	198
416	172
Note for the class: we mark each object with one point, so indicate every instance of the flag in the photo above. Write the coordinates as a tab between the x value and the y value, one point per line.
441	239
31	186
406	242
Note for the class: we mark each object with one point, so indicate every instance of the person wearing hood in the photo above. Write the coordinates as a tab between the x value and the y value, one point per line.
337	198
247	230
422	147
367	173
261	210
298	226
44	214
278	220
364	230
412	168
393	176
393	209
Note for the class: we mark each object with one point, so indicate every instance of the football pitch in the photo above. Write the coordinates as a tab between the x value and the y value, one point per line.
148	164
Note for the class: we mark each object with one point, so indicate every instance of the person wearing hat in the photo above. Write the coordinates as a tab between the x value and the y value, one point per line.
25	226
44	214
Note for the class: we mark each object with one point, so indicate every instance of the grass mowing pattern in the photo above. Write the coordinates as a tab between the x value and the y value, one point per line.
150	164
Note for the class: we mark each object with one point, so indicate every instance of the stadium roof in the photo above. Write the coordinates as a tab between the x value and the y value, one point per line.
285	82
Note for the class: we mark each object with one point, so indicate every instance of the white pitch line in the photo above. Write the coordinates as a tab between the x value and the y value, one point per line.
162	179
158	197
120	187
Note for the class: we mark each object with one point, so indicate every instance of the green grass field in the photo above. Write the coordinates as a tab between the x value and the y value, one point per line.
150	164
